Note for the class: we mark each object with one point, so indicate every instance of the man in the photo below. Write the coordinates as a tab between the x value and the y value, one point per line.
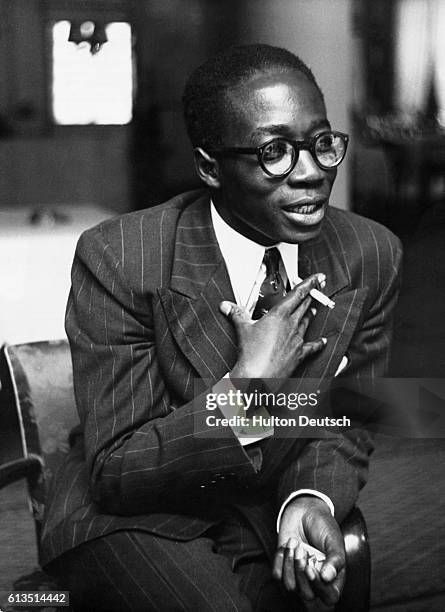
151	512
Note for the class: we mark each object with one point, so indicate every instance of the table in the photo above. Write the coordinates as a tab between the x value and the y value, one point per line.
36	251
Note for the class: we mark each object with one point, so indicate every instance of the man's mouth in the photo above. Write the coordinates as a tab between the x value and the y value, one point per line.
307	211
304	207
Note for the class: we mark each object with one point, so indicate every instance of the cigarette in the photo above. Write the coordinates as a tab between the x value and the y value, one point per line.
322	298
313	552
312	561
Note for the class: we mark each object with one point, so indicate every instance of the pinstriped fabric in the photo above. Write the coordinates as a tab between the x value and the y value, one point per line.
372	259
145	329
146	564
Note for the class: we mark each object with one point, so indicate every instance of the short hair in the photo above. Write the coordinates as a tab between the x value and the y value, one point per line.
205	102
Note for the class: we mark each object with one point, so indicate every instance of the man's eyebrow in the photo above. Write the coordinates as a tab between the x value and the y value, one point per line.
281	130
285	130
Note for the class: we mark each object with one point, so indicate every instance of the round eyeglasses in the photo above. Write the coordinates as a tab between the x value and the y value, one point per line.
278	157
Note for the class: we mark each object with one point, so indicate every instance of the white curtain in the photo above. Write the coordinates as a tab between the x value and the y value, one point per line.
414	63
438	41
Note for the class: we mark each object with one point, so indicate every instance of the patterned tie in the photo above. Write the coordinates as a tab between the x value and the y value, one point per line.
272	289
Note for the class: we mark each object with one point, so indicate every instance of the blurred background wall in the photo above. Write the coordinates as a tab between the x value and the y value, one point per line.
123	167
42	163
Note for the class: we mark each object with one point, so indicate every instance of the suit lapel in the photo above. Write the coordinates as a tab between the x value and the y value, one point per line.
337	325
320	255
199	282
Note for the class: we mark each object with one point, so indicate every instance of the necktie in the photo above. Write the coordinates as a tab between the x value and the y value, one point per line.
272	289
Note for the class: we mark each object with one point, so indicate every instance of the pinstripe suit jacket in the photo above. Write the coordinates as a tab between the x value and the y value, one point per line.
144	326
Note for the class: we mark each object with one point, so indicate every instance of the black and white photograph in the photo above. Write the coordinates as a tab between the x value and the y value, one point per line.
222	305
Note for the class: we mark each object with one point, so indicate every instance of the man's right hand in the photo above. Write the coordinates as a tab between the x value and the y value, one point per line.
273	346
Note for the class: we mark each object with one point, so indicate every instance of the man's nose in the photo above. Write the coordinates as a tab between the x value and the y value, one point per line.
306	170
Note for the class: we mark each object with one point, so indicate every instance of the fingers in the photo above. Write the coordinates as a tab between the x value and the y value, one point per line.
328	572
289	567
337	585
316	574
301	561
294	298
304	323
277	568
329	593
309	348
335	556
302	310
328	582
292	565
235	313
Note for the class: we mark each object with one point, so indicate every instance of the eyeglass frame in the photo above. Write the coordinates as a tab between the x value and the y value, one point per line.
307	144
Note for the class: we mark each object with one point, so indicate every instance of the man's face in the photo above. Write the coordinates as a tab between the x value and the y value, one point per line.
266	209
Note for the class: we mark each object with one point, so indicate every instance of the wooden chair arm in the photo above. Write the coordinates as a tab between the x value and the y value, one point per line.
28	467
356	592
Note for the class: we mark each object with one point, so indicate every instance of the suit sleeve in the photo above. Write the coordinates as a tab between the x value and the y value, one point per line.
338	467
141	450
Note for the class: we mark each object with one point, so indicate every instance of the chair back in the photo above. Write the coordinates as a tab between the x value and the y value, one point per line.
42	384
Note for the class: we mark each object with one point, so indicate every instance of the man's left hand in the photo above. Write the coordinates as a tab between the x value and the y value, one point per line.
308	519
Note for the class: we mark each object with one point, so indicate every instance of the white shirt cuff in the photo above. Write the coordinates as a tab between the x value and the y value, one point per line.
219	387
322	496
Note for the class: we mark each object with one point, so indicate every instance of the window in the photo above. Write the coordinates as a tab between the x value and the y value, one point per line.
92	88
420	56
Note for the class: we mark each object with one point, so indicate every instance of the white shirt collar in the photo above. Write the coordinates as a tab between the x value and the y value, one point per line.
243	259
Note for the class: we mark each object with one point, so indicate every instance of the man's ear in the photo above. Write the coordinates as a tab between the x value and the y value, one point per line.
207	168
